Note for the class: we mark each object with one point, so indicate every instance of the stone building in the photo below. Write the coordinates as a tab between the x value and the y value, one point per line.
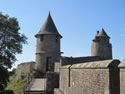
101	45
95	74
48	46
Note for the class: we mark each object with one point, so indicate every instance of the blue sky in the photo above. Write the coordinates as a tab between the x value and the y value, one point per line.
76	20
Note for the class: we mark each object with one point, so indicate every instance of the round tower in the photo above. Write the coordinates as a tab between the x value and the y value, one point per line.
101	45
48	46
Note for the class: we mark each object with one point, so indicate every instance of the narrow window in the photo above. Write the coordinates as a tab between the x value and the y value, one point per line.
48	66
41	38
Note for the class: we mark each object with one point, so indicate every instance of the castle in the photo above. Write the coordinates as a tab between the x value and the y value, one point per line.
54	74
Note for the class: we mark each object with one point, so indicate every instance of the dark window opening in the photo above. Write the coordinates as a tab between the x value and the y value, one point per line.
41	38
48	66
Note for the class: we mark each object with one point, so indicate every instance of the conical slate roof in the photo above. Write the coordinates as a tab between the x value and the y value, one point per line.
103	33
48	27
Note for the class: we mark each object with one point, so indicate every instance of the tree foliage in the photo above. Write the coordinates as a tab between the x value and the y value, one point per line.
10	40
10	44
4	77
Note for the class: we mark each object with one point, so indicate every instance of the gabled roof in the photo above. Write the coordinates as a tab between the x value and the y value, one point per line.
103	33
48	27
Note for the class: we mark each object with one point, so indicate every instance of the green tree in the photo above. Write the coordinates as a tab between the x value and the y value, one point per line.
10	42
4	77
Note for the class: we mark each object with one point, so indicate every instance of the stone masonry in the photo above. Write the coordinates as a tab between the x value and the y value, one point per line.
122	77
48	46
101	45
25	68
90	78
95	74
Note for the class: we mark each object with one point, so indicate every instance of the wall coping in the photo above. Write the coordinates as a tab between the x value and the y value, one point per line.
94	64
65	67
26	63
122	64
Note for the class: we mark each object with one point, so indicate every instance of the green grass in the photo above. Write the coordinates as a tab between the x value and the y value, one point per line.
16	85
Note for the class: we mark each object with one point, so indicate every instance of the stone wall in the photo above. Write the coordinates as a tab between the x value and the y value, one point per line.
102	49
101	77
52	80
122	77
57	66
24	68
73	60
76	60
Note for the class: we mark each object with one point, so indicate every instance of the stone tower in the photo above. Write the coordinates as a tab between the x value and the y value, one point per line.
101	45
48	46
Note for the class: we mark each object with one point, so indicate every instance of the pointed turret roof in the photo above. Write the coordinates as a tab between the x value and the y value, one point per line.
102	33
48	27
